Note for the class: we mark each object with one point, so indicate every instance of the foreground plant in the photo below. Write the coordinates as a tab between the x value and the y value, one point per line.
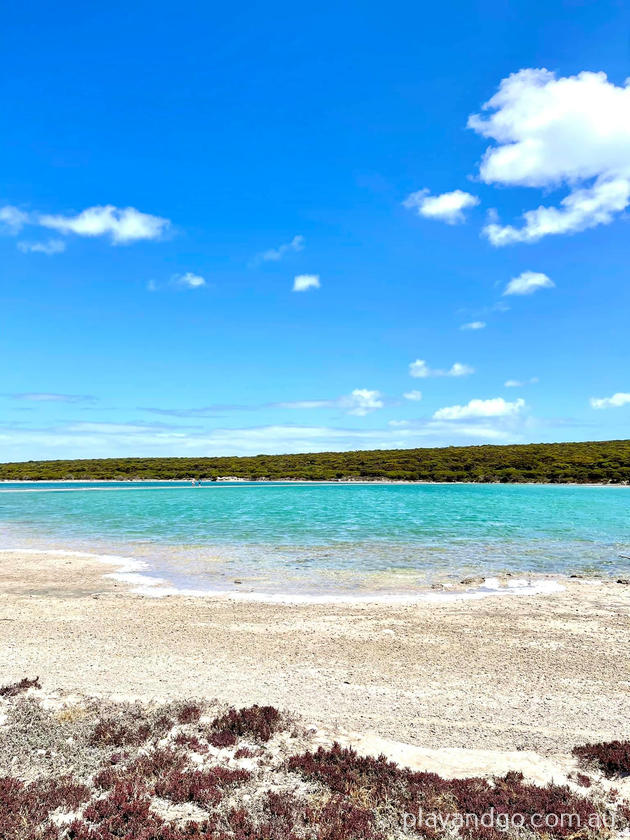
105	771
611	757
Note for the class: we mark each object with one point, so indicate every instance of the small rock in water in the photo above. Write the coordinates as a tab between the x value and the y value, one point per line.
238	581
467	581
625	581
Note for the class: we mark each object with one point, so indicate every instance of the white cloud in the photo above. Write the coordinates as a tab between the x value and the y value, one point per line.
420	370
188	280
359	403
122	225
12	219
551	132
398	423
581	209
52	246
276	254
413	396
474	325
362	401
303	282
616	401
447	207
519	383
458	369
527	283
496	407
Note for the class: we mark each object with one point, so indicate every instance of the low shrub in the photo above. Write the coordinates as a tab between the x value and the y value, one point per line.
376	783
612	757
189	713
256	722
20	687
203	787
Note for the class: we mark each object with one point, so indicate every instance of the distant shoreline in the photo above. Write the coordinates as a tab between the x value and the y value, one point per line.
330	482
584	462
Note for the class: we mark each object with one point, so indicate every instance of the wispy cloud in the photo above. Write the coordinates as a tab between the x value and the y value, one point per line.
616	401
421	370
121	225
276	254
304	282
447	207
520	383
12	219
89	440
474	325
189	280
413	396
55	398
202	411
527	283
359	402
51	246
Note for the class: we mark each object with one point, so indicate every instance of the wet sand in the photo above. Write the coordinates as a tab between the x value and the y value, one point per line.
536	673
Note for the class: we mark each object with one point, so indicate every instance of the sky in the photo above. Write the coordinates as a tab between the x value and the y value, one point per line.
264	228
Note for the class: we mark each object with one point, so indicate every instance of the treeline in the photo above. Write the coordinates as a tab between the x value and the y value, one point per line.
600	461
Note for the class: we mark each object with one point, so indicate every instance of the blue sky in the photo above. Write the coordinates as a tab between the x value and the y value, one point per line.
264	228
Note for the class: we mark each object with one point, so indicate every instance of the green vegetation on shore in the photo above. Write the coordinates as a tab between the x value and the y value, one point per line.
605	462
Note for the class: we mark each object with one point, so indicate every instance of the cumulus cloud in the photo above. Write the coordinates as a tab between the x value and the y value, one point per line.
527	283
519	383
421	370
413	396
304	282
581	209
474	325
551	132
616	401
359	403
447	207
188	281
121	225
496	407
51	246
276	254
12	219
362	401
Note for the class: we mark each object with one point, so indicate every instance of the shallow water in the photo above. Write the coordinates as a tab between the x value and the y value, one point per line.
326	538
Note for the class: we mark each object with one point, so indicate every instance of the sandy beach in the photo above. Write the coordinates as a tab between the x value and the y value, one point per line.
537	673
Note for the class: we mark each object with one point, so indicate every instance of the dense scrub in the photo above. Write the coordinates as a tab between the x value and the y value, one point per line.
612	758
590	462
86	769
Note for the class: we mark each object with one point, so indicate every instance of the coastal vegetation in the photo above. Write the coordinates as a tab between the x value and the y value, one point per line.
606	462
612	757
80	768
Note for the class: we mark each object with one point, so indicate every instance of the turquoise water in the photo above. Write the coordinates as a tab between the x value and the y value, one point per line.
331	538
